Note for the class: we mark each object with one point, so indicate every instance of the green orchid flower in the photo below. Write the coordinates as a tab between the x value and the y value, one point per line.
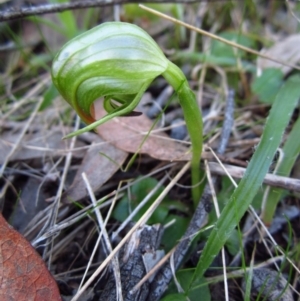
118	61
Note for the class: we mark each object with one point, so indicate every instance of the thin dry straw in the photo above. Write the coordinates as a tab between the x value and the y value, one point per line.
140	222
213	36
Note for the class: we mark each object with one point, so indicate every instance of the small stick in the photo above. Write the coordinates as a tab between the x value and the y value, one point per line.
11	14
228	122
270	179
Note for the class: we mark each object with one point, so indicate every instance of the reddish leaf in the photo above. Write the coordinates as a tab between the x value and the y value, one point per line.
127	133
23	274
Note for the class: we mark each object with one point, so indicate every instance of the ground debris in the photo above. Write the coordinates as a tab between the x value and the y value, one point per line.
144	241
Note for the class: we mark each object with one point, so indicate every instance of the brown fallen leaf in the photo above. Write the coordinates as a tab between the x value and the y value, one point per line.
97	167
23	273
38	144
127	133
287	50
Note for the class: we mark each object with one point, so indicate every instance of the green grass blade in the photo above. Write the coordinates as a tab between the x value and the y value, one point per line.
243	195
67	18
291	150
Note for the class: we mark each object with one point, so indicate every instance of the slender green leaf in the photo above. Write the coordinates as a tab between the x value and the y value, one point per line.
49	95
68	20
291	151
243	195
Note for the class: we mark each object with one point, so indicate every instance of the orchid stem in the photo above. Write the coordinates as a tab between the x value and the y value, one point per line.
193	119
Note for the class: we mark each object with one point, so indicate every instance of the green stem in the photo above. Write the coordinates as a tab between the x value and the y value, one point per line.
193	119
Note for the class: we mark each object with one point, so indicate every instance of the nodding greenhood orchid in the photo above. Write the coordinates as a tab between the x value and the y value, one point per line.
118	61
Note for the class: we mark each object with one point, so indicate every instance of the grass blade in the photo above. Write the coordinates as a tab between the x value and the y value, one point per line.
243	195
291	150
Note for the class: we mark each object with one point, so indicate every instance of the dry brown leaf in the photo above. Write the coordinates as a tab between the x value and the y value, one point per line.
23	274
127	133
35	145
97	167
287	50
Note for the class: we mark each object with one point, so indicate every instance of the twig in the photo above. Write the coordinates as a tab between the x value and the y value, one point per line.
270	179
228	122
13	14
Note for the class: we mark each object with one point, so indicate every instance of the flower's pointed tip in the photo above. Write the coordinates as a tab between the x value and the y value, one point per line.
133	114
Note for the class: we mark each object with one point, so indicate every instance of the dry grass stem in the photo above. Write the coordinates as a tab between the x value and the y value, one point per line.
206	33
103	232
140	222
